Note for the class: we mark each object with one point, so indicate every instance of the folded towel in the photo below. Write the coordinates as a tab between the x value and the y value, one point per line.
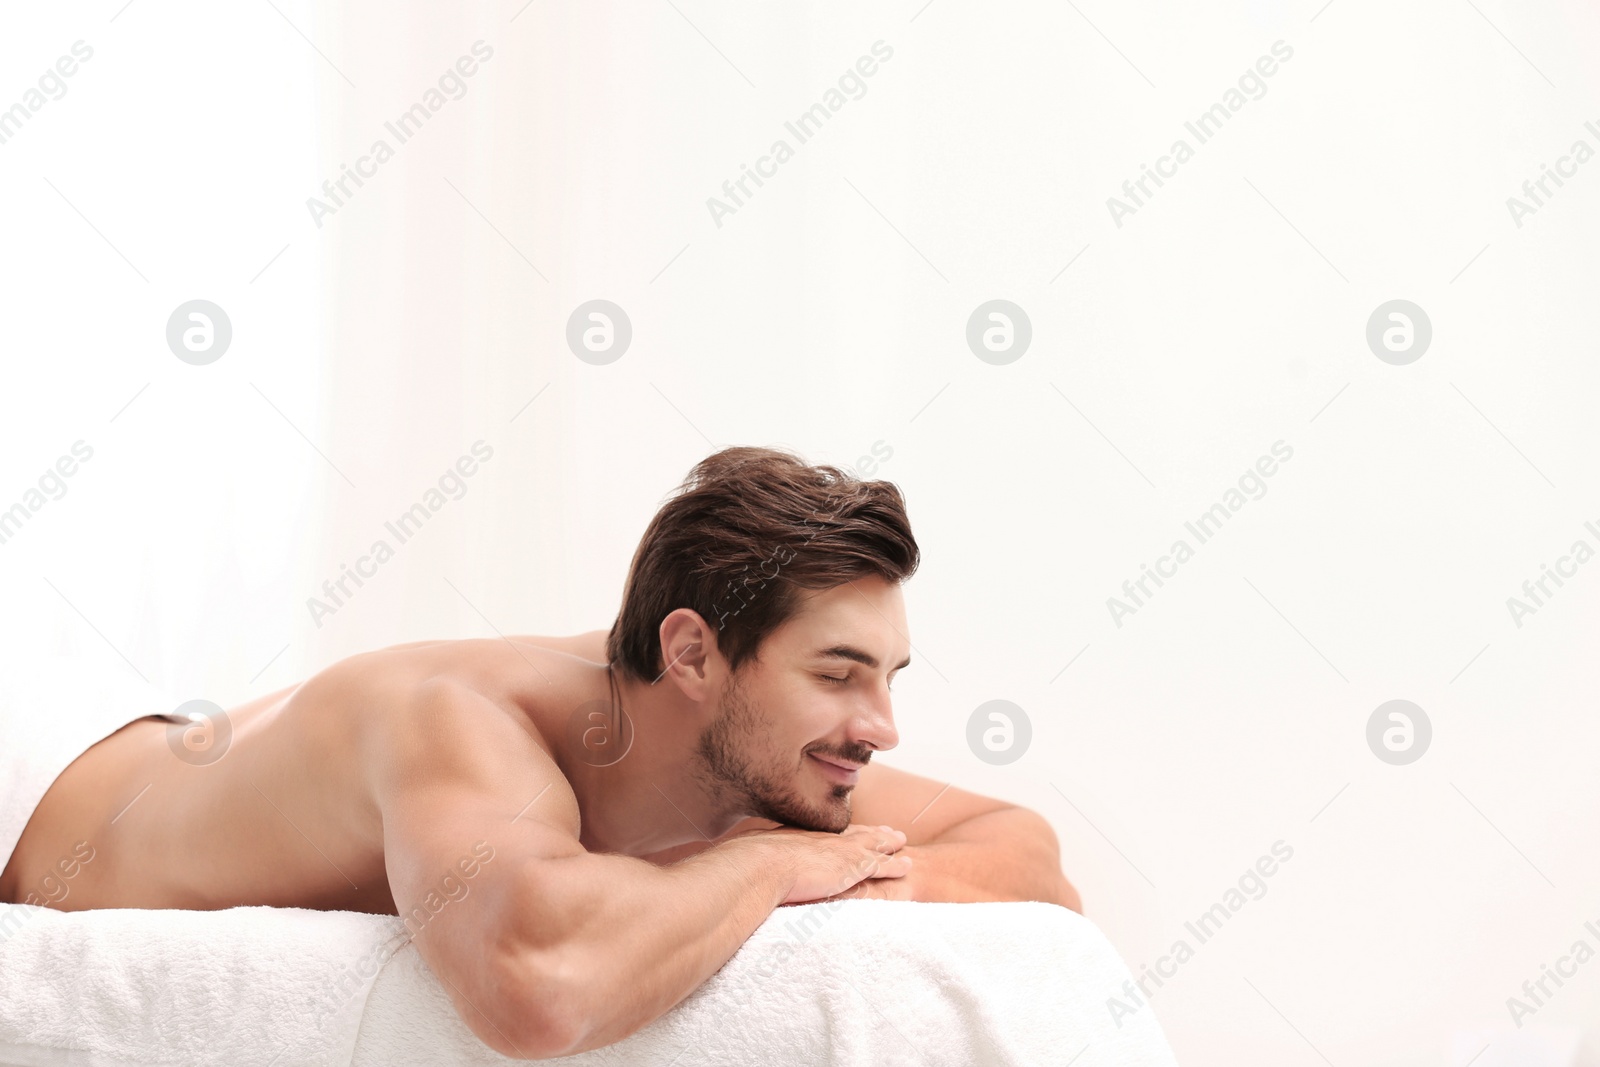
245	987
846	982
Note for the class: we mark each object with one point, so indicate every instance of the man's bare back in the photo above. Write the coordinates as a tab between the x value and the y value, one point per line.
281	819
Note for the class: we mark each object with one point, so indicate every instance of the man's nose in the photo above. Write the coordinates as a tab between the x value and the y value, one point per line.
876	724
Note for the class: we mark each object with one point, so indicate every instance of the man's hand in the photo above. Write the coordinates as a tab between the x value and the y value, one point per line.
1007	855
827	864
969	847
904	888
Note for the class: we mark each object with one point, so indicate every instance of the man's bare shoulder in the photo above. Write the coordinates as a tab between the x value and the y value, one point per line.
479	715
518	674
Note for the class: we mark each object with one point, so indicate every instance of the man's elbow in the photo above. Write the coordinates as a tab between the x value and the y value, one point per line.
535	1012
1058	889
1067	896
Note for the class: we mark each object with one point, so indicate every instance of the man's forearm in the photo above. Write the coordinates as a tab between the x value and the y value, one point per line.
1011	854
631	940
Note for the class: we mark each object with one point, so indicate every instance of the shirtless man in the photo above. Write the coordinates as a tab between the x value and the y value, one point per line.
629	805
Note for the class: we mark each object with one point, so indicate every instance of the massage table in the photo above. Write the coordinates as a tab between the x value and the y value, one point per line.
848	982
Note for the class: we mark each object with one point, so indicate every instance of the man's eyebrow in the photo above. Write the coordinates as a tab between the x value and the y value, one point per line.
853	653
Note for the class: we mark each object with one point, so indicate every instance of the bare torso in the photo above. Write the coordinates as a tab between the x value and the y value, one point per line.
285	818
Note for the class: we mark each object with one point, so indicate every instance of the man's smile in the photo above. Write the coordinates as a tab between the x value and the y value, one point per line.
844	773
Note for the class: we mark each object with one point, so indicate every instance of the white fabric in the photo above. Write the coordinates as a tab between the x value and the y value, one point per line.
851	982
245	987
51	710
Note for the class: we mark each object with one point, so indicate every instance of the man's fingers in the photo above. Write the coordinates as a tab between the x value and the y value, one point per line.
890	839
897	866
875	830
880	865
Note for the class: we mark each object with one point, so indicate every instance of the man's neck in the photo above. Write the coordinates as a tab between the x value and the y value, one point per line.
650	799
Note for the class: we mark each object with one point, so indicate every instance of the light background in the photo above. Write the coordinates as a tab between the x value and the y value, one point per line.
828	314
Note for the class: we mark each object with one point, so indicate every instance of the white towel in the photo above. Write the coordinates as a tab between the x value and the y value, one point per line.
849	982
853	982
245	987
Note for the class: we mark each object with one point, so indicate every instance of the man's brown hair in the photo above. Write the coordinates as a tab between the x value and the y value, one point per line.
746	532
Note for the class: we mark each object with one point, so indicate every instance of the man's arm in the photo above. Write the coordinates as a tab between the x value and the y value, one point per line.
544	948
966	847
1009	854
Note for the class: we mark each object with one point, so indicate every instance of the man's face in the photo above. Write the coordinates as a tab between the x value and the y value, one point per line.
810	695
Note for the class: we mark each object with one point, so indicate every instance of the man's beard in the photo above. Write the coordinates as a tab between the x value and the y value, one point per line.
732	778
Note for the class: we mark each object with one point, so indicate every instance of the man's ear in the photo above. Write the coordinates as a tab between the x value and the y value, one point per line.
689	654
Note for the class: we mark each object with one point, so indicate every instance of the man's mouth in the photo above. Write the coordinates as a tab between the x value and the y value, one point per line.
843	773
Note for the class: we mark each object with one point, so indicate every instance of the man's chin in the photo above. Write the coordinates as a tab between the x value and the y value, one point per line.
830	825
832	817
